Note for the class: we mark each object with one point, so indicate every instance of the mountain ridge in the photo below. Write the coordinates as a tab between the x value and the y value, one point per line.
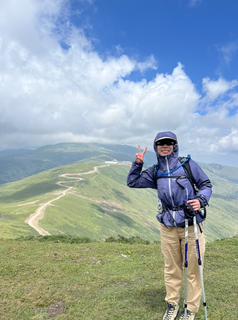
19	164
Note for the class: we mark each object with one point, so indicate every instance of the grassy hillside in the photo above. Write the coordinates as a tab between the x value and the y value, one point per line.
222	216
53	279
101	205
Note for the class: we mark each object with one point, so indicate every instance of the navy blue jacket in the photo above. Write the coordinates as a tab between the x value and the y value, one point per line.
171	191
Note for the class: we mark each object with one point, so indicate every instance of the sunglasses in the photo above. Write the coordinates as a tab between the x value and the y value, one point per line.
168	142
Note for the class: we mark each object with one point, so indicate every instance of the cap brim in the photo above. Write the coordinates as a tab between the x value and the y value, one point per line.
169	138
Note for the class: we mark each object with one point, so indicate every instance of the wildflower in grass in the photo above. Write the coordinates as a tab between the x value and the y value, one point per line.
129	252
122	276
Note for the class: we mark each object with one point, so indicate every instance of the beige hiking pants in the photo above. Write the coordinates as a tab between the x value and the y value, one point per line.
173	248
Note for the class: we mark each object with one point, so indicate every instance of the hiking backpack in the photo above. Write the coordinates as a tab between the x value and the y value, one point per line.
186	166
188	174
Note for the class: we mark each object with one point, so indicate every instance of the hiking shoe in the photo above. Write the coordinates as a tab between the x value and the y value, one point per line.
190	315
171	312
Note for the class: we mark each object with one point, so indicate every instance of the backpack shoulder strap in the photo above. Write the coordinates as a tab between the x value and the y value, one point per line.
155	174
188	171
185	163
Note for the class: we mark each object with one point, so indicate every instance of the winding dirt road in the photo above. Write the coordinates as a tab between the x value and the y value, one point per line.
34	218
38	215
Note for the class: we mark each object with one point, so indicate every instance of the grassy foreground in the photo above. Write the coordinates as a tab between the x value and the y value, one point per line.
66	279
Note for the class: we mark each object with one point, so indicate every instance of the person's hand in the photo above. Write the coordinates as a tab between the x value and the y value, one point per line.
195	204
140	156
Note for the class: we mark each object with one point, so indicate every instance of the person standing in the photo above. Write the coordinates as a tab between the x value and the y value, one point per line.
173	187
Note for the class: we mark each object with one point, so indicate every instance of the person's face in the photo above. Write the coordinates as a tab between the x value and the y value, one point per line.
165	149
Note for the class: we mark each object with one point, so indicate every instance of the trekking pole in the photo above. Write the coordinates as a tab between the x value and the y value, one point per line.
200	266
190	213
186	269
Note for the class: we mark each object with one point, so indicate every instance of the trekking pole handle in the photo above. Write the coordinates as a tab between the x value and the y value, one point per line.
189	212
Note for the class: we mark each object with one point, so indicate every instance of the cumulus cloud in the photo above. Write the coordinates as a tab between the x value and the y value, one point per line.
230	141
51	95
214	89
29	23
149	63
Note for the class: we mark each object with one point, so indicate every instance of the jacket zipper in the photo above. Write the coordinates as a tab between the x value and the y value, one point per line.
186	192
170	191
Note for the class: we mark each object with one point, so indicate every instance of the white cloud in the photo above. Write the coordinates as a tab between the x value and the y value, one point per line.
29	22
149	63
52	95
230	141
218	87
228	51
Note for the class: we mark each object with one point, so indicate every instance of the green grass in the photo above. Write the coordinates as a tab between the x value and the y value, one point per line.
95	281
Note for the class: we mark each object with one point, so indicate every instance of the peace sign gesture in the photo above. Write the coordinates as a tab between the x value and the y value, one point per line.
140	156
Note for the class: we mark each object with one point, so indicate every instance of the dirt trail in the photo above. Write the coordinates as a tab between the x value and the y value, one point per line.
72	175
34	218
38	215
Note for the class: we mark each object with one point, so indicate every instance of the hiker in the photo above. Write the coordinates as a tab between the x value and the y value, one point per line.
174	184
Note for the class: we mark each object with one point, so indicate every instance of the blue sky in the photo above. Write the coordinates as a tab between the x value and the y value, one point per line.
202	35
119	71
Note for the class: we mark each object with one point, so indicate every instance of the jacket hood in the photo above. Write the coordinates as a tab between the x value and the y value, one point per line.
163	135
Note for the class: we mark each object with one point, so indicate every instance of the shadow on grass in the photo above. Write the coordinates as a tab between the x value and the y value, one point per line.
119	216
121	195
153	299
124	219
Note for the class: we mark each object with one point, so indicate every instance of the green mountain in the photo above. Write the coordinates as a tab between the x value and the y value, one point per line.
90	199
19	164
13	152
